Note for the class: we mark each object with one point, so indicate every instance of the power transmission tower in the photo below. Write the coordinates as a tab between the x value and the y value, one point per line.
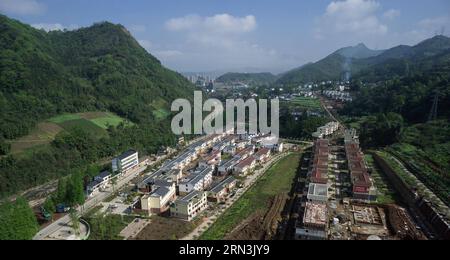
434	109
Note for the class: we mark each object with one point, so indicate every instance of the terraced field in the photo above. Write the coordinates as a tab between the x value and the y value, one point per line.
45	132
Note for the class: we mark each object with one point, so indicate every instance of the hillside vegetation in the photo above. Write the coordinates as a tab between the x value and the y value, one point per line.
68	74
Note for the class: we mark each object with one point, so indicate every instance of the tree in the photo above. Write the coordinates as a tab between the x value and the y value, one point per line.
17	221
49	206
75	221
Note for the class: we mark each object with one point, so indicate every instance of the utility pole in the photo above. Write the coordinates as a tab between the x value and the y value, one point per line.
434	109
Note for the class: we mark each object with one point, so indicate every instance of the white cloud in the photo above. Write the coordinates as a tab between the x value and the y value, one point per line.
391	14
351	17
220	23
221	41
54	27
22	7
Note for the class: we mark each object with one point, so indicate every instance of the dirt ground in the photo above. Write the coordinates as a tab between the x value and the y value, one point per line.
166	229
401	224
260	225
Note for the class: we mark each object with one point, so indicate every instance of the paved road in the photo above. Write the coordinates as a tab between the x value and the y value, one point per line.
92	202
248	183
89	204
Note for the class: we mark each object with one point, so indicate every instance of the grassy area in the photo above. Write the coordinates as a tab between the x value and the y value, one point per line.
161	113
277	180
410	181
63	118
108	120
86	125
108	227
160	109
45	132
386	193
162	228
306	102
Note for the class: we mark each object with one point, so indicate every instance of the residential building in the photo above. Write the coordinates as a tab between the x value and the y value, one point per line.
99	183
219	192
319	167
212	160
318	193
245	166
228	166
198	181
190	206
362	185
159	199
314	224
262	155
125	162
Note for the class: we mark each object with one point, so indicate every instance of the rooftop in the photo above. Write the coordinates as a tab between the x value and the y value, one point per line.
318	189
193	196
126	154
315	214
246	162
223	184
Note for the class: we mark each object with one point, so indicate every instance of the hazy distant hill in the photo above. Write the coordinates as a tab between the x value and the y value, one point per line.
252	79
359	61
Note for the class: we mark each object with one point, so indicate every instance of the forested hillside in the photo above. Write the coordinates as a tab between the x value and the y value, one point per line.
97	68
100	68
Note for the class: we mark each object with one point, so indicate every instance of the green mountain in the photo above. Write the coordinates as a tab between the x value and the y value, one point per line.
251	79
359	51
100	68
336	66
366	64
97	68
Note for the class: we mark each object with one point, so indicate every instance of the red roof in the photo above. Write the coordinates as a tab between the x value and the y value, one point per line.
246	162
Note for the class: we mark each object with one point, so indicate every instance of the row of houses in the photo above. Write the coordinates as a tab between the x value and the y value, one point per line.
362	185
314	224
185	195
245	161
339	95
326	130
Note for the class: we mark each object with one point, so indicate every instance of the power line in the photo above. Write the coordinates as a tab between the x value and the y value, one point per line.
434	109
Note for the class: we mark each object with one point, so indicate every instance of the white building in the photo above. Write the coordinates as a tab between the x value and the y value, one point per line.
197	181
159	200
190	206
125	162
99	183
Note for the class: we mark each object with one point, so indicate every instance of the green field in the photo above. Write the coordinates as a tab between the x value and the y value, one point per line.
63	118
161	113
386	193
276	180
306	102
160	109
85	125
45	132
109	120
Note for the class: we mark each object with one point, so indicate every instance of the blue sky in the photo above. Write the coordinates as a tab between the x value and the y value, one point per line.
234	35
